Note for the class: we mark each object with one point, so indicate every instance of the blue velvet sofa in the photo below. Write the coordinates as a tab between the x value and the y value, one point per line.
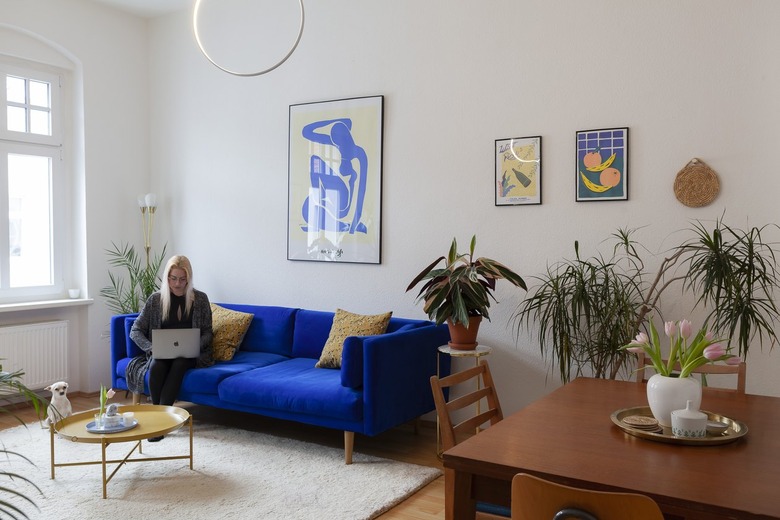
384	380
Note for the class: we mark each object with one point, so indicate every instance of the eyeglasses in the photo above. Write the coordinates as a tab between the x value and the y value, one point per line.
174	279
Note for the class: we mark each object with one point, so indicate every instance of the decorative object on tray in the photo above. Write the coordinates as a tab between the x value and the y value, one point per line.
689	422
644	423
112	421
460	292
629	420
671	387
122	426
105	395
696	184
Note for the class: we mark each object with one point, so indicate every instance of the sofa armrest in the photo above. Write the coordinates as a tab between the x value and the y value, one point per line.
397	369
119	341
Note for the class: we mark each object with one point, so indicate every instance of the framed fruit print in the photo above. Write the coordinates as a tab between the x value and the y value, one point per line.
518	174
602	164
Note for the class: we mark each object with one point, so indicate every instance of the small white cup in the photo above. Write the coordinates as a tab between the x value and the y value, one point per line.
127	418
74	293
689	422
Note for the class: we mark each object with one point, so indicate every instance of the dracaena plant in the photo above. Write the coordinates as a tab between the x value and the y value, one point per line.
587	309
463	286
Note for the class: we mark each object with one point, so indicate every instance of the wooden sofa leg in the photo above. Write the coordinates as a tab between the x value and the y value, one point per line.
349	443
136	398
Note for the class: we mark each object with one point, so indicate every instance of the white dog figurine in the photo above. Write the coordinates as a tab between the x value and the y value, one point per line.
59	408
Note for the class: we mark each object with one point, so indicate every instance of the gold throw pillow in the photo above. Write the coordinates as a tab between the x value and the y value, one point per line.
348	324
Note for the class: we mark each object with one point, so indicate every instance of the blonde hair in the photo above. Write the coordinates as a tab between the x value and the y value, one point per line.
176	262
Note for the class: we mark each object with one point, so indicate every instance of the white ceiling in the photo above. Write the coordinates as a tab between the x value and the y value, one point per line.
148	8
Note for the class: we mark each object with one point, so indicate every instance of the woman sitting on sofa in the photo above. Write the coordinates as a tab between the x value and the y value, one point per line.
176	305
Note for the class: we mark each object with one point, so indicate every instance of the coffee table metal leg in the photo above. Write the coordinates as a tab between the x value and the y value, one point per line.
51	438
103	449
190	421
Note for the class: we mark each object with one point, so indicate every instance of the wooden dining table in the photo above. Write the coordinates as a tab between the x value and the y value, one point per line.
568	437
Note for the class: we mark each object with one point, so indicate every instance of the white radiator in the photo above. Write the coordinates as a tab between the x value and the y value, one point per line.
40	350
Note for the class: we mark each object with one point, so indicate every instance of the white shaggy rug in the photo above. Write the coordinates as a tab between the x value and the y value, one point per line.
237	474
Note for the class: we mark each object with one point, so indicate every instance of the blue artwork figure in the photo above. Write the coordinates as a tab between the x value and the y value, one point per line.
336	194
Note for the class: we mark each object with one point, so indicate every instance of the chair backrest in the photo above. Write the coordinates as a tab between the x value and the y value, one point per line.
740	371
480	383
534	498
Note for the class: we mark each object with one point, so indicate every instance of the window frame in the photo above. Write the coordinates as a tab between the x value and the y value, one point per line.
53	146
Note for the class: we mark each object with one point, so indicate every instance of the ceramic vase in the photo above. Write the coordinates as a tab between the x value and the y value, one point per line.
666	394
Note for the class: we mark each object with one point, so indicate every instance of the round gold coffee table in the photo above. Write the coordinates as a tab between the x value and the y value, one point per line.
153	421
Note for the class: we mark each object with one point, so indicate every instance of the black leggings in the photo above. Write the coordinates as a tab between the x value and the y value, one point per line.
165	377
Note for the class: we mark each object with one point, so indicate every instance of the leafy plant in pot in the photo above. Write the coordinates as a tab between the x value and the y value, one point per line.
461	291
142	280
585	310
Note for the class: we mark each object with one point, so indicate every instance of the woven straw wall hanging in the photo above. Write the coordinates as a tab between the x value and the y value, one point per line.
696	184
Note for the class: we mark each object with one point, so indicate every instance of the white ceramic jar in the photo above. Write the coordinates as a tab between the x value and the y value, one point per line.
689	422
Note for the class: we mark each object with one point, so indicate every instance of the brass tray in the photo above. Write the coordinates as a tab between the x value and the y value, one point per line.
735	430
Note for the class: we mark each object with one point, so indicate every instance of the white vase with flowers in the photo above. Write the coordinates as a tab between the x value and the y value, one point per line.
672	385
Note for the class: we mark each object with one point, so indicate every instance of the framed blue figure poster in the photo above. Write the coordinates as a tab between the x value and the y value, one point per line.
335	181
602	164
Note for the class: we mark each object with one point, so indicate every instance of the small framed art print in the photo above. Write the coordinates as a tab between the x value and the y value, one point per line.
518	175
602	164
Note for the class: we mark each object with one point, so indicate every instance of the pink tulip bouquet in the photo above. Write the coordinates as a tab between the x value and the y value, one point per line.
703	348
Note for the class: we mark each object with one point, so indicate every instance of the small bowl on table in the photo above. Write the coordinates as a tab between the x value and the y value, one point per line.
716	427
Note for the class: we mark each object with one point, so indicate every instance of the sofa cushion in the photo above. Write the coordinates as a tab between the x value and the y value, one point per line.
207	380
295	386
347	324
401	324
271	329
229	328
132	349
311	333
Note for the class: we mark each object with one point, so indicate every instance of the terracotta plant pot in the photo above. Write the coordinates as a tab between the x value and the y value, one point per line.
464	338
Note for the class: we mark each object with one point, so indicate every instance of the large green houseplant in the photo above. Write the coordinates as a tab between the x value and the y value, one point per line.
585	310
124	297
460	291
11	386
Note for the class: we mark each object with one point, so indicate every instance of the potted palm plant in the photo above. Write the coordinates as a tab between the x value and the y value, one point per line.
11	386
143	279
460	292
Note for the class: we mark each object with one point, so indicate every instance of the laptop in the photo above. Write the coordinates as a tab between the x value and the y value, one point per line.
175	343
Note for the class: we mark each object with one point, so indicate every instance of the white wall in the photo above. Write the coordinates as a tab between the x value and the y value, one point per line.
109	51
689	78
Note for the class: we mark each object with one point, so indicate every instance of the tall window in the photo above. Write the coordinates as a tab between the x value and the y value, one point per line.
32	186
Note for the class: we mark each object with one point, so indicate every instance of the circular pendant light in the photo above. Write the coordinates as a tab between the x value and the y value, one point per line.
235	72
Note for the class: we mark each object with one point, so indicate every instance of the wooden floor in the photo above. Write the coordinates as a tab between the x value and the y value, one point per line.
405	443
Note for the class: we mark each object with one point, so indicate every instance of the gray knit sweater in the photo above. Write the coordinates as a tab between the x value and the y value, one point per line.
151	318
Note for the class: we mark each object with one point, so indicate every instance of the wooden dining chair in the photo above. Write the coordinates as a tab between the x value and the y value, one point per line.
643	361
480	386
534	498
475	404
